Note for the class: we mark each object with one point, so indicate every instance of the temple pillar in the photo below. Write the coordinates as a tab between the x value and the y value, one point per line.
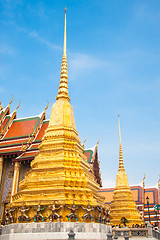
15	179
1	168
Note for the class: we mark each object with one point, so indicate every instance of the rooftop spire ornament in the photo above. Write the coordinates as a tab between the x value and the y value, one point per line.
1	107
63	86
11	100
18	106
98	142
121	164
84	141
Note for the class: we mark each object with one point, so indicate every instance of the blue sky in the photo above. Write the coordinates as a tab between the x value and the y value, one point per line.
113	50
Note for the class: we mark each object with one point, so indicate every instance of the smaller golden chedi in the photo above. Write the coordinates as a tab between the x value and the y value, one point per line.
123	204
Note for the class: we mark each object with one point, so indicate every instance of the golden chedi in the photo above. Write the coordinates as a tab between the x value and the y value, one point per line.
123	204
60	171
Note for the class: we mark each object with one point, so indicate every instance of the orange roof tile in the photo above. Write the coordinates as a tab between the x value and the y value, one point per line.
34	146
152	193
22	127
29	155
42	130
88	154
33	149
4	112
135	194
10	150
1	114
13	142
5	122
108	195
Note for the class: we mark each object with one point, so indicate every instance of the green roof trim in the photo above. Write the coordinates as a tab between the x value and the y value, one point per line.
1	115
13	145
32	149
9	152
26	119
7	121
23	120
18	137
37	141
26	157
91	154
45	121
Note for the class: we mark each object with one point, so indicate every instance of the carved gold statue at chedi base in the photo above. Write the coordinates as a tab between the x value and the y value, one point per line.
123	204
60	174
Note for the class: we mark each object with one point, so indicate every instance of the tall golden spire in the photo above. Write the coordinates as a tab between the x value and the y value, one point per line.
65	38
63	86
60	171
121	164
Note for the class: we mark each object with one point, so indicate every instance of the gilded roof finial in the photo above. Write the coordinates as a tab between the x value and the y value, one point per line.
11	100
84	141
144	180
1	107
63	86
47	106
22	148
121	164
97	142
144	177
18	106
29	138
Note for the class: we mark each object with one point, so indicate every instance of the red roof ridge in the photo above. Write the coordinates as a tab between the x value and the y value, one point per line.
35	132
91	149
3	113
12	116
46	120
31	117
104	189
15	139
3	109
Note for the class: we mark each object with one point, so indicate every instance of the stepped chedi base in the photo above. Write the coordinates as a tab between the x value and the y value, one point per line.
61	184
123	204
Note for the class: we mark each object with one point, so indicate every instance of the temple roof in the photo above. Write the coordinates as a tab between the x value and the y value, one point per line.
33	149
137	192
17	135
3	113
92	158
22	127
89	153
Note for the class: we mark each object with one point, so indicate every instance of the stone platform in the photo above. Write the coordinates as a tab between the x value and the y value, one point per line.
54	230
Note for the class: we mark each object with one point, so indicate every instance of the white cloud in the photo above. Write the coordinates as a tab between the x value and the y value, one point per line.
1	89
44	41
34	34
7	50
108	183
145	11
83	61
80	63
